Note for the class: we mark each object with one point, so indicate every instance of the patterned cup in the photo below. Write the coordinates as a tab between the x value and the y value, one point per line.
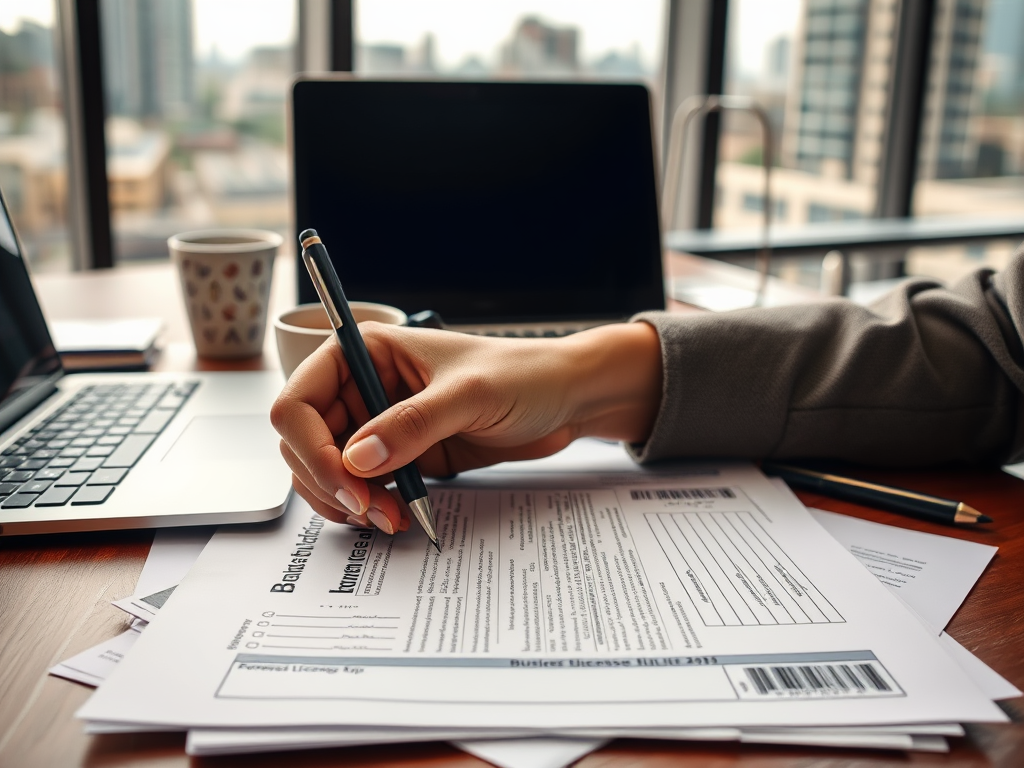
225	280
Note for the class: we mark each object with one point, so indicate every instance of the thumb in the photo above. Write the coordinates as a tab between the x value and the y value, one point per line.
405	431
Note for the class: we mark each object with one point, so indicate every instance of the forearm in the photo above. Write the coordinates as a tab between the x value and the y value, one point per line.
928	375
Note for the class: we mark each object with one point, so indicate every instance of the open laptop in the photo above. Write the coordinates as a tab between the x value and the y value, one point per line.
99	451
508	207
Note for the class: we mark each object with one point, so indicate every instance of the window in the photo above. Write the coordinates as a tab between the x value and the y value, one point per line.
512	38
196	106
971	156
820	69
33	162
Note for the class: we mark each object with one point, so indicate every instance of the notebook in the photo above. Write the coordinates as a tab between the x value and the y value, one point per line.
505	206
85	452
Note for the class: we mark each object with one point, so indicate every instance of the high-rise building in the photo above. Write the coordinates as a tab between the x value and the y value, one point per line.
540	48
148	57
835	119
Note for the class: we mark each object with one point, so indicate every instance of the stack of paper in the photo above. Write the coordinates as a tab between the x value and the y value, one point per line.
693	602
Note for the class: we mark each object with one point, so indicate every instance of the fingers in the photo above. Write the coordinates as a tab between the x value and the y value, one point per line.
308	414
407	430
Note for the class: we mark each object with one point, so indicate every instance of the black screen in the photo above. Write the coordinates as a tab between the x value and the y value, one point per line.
482	201
28	360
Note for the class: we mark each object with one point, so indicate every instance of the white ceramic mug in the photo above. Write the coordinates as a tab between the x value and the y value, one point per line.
301	330
225	280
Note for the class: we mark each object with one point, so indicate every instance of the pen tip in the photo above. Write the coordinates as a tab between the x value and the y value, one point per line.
983	519
437	545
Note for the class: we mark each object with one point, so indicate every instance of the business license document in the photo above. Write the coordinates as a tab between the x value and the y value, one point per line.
699	597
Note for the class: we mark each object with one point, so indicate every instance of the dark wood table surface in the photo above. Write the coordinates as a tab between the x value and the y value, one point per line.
55	594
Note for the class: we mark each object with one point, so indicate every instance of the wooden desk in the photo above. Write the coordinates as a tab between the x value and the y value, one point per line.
55	593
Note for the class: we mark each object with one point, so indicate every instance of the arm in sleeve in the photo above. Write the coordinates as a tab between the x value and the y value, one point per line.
924	375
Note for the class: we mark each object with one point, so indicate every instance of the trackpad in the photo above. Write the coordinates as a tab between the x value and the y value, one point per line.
215	439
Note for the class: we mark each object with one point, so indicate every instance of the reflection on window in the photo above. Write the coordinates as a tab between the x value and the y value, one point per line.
33	162
196	105
510	38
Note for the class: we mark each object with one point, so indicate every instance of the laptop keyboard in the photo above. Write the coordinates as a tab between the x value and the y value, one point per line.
82	451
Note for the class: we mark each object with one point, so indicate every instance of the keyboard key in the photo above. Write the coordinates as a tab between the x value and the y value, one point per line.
109	440
45	453
154	422
73	452
171	401
100	450
18	476
6	489
92	432
9	462
129	451
86	464
35	486
58	444
55	497
91	494
19	501
72	479
50	473
127	421
10	449
107	476
119	430
83	442
34	444
62	461
103	423
32	464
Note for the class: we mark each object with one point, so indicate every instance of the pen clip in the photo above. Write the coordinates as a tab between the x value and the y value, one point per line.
321	289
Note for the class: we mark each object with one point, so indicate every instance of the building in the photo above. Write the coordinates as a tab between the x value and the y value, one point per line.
834	122
540	48
148	64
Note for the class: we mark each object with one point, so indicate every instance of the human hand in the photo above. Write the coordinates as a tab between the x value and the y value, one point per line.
461	402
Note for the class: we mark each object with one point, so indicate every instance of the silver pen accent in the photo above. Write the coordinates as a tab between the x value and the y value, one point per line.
425	517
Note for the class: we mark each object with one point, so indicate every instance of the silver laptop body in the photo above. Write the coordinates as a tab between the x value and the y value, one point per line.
213	459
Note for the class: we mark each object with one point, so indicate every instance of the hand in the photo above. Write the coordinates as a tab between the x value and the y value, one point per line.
461	402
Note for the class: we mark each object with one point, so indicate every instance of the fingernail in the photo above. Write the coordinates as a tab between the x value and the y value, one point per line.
369	453
348	501
379	519
358	522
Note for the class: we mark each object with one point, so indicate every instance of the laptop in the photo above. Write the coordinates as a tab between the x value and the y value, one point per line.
87	452
510	208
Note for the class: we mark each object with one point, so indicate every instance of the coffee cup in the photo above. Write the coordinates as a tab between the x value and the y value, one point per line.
301	330
225	280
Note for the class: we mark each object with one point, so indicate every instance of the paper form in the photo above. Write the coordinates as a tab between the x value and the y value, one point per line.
704	598
932	573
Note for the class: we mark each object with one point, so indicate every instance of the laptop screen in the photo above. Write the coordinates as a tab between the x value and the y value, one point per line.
487	202
28	360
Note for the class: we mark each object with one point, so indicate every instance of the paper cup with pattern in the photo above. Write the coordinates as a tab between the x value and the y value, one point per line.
301	330
225	280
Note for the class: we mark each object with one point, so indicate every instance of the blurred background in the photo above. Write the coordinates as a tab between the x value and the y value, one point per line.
194	96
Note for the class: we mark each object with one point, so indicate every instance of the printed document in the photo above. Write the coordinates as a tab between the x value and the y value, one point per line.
700	596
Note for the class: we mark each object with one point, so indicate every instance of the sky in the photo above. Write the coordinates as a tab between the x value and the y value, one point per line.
463	27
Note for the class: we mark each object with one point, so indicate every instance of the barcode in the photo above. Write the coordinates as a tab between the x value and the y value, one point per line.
681	493
817	679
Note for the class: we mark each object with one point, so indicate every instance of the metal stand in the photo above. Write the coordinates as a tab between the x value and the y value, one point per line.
701	106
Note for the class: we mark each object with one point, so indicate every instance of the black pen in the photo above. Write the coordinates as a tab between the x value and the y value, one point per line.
893	499
328	287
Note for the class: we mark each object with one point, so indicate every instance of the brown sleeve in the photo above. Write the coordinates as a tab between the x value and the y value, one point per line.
924	375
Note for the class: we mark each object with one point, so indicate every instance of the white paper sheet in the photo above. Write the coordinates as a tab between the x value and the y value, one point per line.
342	623
173	552
932	573
531	753
94	665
